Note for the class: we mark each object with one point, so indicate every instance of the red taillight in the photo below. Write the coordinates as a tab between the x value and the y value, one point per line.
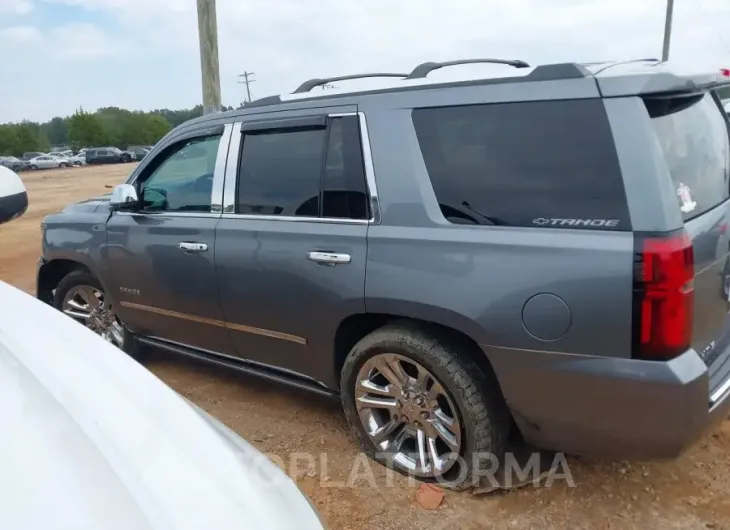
663	296
725	72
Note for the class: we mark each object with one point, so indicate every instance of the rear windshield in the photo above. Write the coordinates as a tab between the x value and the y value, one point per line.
693	135
545	164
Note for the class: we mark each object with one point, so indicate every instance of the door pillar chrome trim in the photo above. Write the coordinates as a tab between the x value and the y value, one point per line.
367	156
234	151
219	173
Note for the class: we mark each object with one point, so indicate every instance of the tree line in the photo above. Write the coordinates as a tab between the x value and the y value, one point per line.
108	126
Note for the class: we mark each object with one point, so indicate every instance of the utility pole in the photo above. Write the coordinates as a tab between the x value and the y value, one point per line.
247	80
209	67
668	30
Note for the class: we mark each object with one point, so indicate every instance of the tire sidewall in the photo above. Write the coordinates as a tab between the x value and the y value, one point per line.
369	347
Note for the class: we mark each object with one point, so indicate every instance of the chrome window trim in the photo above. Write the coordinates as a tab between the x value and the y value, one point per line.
302	219
367	158
229	187
219	170
231	172
202	215
219	173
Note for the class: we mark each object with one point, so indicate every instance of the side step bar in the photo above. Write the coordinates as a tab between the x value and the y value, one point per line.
241	365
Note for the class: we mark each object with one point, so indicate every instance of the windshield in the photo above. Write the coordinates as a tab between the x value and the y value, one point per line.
693	134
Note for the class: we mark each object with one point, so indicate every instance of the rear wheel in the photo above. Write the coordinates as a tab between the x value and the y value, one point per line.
81	296
63	165
419	404
33	167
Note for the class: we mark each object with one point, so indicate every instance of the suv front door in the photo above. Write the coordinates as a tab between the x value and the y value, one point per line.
161	256
291	246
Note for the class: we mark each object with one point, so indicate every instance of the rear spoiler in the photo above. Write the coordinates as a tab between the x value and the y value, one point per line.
648	83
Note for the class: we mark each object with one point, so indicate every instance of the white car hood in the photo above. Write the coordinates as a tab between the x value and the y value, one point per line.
89	439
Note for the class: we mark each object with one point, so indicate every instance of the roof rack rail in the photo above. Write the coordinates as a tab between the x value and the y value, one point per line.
628	61
311	83
558	71
423	69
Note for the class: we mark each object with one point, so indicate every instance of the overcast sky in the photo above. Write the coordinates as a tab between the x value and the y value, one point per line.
57	55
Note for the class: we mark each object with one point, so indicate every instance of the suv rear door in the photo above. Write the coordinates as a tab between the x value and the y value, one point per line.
291	244
692	131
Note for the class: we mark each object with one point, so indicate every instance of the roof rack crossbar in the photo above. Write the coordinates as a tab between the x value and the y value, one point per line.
422	70
311	83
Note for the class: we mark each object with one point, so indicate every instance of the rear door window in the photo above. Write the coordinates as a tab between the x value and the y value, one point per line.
693	135
546	164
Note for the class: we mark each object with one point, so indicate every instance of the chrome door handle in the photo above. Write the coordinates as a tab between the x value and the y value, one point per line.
329	258
187	246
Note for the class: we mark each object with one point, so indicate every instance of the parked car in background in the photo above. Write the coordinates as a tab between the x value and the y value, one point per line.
104	155
139	152
93	440
32	154
78	160
128	156
14	163
49	162
68	153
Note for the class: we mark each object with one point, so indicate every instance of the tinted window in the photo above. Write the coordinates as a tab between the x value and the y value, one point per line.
280	173
344	189
550	163
694	138
307	173
182	181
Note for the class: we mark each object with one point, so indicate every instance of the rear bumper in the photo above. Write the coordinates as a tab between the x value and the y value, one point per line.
619	408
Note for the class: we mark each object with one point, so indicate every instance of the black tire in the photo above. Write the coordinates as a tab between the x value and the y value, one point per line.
485	419
76	278
63	165
33	167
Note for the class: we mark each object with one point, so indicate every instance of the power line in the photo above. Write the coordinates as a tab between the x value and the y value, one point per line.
247	80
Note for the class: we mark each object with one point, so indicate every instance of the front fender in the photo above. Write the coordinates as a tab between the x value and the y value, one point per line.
77	236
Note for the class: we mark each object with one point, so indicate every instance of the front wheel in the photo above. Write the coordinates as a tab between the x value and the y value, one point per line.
81	296
63	165
419	404
33	167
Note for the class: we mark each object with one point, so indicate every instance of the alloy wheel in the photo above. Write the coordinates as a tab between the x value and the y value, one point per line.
408	414
87	305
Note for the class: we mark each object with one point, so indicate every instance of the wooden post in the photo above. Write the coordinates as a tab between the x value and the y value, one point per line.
209	68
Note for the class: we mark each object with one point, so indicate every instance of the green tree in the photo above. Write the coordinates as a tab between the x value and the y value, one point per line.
9	142
86	130
56	131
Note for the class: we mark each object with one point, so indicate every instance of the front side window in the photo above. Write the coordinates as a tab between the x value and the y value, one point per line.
183	180
314	172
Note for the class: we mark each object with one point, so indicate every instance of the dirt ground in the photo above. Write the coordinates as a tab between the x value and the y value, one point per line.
691	492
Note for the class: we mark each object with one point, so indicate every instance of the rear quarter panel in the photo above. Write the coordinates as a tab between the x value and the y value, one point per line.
478	279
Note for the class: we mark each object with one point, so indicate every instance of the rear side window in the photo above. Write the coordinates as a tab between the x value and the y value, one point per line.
315	172
693	135
540	164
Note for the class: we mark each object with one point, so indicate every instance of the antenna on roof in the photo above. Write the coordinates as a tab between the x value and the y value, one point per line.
310	84
422	70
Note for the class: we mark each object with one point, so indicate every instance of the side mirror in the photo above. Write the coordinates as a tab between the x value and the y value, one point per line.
13	197
124	196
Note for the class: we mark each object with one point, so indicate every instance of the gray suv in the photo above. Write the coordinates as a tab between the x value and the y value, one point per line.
544	254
